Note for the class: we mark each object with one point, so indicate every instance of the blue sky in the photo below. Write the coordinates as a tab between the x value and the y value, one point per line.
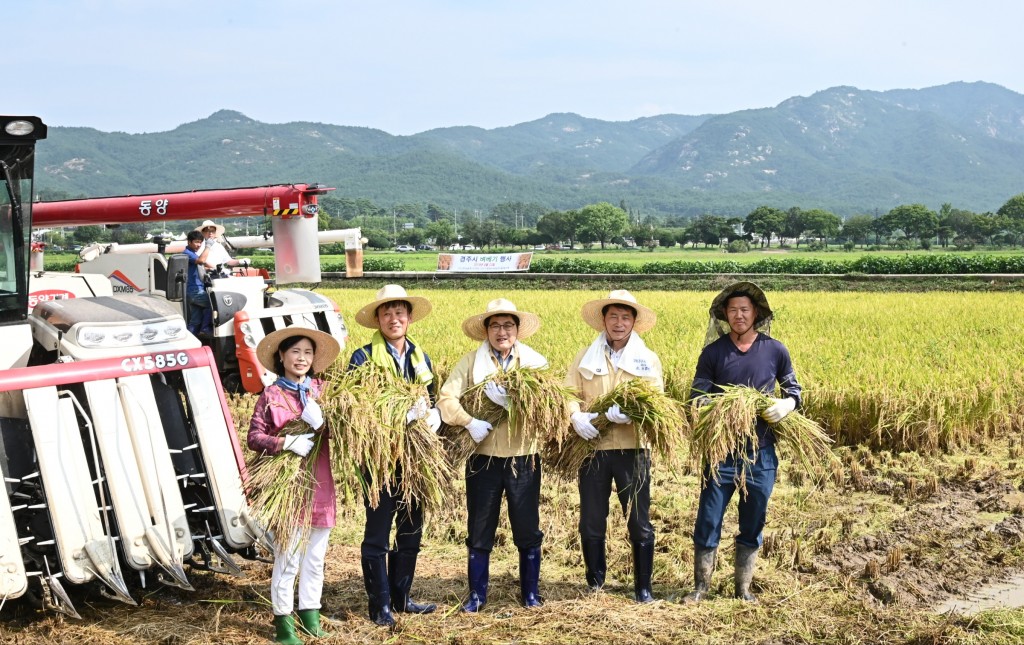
406	66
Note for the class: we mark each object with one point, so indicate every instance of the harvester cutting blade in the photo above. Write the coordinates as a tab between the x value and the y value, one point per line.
229	564
174	567
54	591
106	569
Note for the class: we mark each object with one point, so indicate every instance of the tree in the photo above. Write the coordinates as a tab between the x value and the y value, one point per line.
707	230
915	220
602	221
442	232
822	223
856	228
1013	208
793	225
559	225
89	234
765	221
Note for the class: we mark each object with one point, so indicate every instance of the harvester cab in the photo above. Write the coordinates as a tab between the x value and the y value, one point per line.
120	460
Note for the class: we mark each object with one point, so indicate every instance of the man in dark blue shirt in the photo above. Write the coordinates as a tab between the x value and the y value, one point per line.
200	316
742	354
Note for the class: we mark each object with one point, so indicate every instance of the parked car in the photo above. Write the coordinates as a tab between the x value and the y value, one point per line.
404	248
424	247
468	247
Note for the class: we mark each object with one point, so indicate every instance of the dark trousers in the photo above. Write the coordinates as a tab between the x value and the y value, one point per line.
518	479
408	521
200	313
631	472
714	499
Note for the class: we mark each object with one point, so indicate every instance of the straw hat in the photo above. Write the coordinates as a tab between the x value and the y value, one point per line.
474	325
218	233
327	347
591	312
367	316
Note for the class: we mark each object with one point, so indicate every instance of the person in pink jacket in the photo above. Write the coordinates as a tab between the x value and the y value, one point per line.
295	354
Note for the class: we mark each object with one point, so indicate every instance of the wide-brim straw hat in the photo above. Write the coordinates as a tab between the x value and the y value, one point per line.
327	347
474	325
218	233
749	289
367	316
645	317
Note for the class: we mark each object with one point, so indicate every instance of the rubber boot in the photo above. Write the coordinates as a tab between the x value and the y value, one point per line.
746	560
309	619
375	577
284	627
643	569
703	568
529	577
479	573
594	561
401	569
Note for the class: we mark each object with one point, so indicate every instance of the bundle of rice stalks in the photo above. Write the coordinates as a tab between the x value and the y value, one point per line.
538	405
726	425
281	487
658	420
366	411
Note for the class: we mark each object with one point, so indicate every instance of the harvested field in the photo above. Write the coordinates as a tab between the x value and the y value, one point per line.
931	504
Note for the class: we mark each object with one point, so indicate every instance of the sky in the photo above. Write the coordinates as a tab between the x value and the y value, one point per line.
407	66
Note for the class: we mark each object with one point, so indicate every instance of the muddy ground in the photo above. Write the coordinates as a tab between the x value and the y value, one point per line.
864	562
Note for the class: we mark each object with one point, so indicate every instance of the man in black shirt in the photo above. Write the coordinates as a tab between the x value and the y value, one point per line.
739	351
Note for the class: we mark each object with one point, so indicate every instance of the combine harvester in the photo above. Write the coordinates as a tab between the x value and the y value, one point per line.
119	455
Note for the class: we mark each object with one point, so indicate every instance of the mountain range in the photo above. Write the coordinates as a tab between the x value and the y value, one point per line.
842	149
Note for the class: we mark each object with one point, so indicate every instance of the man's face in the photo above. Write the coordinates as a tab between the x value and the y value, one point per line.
618	323
740	312
393	318
502	332
209	231
195	245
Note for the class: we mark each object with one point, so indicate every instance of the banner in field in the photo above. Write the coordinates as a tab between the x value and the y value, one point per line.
483	262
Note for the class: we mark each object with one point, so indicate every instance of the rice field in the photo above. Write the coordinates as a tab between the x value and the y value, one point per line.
925	371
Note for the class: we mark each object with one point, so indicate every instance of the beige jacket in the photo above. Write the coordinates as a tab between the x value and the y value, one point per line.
619	436
502	441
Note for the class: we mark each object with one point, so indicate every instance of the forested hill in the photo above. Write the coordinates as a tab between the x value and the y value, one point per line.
842	149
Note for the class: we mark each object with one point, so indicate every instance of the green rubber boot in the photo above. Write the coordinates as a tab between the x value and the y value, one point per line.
286	631
310	620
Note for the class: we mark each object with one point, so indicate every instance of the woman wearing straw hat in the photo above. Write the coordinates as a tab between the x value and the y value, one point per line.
388	574
218	255
505	461
739	351
617	354
296	354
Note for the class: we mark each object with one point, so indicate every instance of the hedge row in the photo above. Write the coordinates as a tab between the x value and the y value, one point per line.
878	265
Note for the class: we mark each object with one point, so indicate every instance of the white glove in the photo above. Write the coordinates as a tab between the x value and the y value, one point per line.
496	393
417	411
433	420
478	429
243	262
313	415
615	415
582	423
209	242
778	410
300	444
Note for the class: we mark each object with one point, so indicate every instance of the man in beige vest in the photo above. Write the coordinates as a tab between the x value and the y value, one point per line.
616	355
505	462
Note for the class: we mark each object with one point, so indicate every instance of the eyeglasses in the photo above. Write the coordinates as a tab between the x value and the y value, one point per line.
507	327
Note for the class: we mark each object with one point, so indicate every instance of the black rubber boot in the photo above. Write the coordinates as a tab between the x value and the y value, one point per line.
284	631
643	569
401	569
529	577
375	577
309	619
479	573
746	560
703	568
594	561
